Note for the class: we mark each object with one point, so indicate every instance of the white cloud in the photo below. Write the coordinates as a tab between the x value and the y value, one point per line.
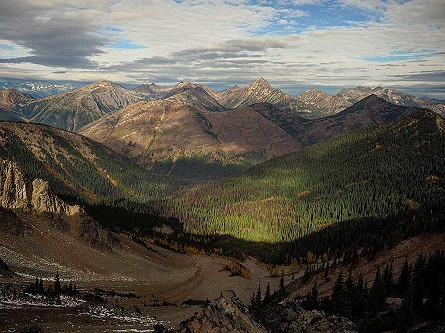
217	41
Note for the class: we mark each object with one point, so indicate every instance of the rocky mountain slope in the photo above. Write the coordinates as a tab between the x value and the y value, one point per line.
260	91
317	103
167	131
74	165
11	103
163	131
151	91
34	199
73	110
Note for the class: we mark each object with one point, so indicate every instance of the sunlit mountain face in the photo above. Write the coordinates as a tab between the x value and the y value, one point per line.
199	166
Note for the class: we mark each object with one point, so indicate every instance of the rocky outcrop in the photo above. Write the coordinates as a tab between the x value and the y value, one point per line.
13	191
16	193
290	317
225	314
229	314
43	201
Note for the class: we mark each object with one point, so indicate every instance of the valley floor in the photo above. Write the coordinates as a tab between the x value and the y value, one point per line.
162	280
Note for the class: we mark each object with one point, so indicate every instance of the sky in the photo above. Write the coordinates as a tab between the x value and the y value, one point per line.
294	44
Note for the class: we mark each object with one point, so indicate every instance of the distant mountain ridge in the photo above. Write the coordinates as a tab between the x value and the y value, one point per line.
73	110
37	89
319	103
11	103
260	91
167	131
81	106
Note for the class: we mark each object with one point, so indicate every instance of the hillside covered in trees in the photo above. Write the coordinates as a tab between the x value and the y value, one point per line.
374	186
76	167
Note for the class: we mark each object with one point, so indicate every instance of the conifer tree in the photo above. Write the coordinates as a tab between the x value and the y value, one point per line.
258	297
388	278
57	286
267	296
282	291
378	295
407	310
404	278
41	289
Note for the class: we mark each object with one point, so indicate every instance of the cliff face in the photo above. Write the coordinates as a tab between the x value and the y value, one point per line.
15	193
36	197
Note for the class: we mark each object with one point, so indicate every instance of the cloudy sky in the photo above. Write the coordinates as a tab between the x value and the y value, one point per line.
295	44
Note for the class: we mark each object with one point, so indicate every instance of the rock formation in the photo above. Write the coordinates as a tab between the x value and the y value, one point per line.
15	193
229	314
225	314
36	197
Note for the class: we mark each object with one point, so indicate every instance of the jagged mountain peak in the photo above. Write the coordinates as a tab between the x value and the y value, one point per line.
104	84
313	91
261	82
259	91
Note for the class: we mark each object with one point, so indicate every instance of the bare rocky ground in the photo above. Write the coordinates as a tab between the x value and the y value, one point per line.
162	280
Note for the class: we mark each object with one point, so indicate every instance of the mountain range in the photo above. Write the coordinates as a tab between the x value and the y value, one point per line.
77	108
174	131
180	137
318	103
37	89
136	182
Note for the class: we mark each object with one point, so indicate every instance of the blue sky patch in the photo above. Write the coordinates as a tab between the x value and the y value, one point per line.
7	47
401	56
125	44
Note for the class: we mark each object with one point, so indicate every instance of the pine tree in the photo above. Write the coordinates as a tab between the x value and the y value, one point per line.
267	296
282	291
36	285
326	272
57	286
258	298
378	295
404	278
359	304
407	311
388	278
339	297
252	301
312	298
41	289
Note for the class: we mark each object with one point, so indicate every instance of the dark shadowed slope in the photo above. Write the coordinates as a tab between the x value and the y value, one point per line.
395	169
75	165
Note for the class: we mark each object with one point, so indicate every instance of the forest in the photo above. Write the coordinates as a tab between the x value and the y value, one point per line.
366	189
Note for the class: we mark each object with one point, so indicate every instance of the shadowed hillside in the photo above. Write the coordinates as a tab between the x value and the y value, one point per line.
393	173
